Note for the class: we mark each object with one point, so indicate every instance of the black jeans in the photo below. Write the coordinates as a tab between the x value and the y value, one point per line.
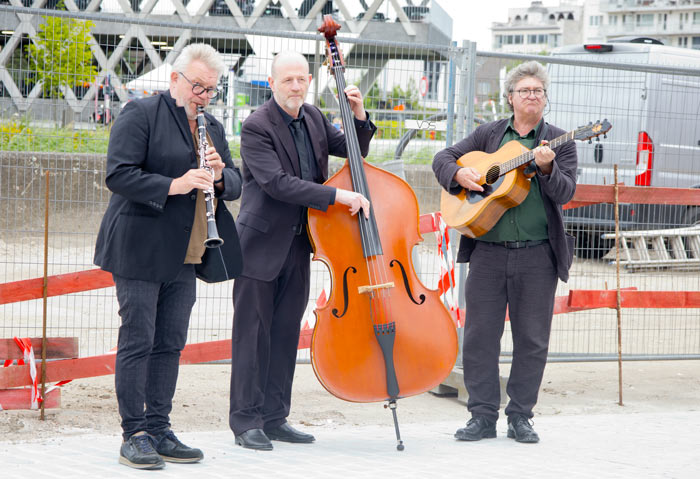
155	317
525	281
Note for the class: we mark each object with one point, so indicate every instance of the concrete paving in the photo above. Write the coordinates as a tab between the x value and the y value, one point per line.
644	445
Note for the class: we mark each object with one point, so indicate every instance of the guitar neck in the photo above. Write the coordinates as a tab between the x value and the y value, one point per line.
529	155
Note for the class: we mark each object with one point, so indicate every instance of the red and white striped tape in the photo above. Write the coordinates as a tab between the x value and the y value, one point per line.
446	283
25	345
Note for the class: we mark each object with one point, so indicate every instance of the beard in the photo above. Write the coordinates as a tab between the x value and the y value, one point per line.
190	108
294	104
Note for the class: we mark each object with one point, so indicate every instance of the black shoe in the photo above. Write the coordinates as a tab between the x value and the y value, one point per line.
478	427
171	449
138	452
520	429
254	439
285	432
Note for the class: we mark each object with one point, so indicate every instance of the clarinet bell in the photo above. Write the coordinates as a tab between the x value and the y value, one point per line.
213	240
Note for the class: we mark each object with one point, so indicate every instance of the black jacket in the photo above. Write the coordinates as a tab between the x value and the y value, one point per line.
274	195
145	233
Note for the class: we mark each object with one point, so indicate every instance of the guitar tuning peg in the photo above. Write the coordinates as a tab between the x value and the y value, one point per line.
590	122
597	138
590	141
605	135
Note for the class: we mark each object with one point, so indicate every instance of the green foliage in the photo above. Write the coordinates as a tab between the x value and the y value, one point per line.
408	98
60	54
16	135
13	132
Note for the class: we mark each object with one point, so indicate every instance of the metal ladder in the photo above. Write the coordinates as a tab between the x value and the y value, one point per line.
667	248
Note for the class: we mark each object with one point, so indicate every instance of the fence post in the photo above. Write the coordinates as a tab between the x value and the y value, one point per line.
451	75
465	125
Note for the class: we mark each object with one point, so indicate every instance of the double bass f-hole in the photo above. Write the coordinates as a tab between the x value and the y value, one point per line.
406	283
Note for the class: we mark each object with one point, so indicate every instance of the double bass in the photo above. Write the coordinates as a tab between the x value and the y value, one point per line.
382	335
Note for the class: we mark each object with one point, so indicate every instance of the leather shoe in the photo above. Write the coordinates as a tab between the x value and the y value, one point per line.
478	427
285	432
254	439
171	449
520	429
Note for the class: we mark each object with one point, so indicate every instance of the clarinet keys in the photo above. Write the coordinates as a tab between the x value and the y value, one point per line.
213	240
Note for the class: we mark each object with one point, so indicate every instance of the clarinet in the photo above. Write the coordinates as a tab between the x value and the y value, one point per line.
213	240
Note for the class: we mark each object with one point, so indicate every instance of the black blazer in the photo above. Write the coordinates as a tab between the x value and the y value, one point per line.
274	195
556	188
145	233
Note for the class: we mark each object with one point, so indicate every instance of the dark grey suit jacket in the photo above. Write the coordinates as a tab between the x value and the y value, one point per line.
145	233
556	188
274	195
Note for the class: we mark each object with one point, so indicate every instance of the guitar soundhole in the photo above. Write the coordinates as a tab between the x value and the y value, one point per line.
492	174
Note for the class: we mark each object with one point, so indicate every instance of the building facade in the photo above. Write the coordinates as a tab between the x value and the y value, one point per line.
539	28
675	22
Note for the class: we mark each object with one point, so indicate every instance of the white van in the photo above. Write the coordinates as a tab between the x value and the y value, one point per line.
655	136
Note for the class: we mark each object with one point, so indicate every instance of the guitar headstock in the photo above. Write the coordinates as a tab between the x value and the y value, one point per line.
592	130
329	28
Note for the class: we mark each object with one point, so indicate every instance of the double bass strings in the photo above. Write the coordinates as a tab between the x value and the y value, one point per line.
376	269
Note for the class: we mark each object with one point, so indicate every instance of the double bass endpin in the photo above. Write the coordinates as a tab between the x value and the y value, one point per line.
392	405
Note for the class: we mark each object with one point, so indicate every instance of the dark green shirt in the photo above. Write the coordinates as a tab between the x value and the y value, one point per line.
528	220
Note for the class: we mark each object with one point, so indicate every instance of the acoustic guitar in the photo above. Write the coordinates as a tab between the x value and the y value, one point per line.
504	179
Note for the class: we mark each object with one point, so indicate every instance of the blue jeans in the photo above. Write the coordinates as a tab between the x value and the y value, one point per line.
155	317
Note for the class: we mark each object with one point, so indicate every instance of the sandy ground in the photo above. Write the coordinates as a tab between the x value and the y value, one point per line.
201	400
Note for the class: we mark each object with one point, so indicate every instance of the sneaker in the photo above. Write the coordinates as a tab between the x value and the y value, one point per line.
138	452
520	429
172	450
478	427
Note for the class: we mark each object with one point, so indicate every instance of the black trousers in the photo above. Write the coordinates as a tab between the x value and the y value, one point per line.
155	317
525	281
266	322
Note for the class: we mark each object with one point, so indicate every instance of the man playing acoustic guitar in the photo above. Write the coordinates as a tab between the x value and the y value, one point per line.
516	263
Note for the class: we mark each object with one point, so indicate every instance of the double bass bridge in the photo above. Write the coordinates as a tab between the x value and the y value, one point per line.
373	287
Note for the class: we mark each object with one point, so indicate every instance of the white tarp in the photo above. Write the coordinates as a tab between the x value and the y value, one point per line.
156	80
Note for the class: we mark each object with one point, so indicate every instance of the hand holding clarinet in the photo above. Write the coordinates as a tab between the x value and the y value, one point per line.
210	169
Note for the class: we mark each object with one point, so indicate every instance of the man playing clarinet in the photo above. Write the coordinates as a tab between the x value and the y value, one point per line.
152	241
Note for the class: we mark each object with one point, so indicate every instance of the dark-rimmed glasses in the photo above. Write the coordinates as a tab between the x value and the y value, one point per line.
198	89
526	92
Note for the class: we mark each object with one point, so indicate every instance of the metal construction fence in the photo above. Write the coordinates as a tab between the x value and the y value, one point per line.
422	97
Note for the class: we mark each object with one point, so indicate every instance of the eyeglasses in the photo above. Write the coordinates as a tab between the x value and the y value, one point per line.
526	92
198	89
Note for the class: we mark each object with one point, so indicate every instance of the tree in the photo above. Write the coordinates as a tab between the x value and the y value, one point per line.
60	54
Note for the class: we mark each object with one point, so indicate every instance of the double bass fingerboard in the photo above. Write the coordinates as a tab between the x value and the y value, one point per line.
371	243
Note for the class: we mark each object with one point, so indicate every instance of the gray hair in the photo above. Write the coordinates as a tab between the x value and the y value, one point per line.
203	53
524	70
287	56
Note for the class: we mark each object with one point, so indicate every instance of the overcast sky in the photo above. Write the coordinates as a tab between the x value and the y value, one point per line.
471	20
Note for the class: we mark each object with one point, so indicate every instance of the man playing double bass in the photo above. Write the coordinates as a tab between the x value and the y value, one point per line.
515	264
284	147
